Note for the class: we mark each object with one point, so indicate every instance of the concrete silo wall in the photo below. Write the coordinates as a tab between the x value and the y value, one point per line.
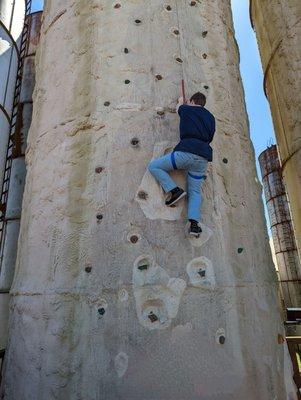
278	28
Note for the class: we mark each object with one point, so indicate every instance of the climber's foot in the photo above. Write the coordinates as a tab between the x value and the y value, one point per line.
174	196
195	230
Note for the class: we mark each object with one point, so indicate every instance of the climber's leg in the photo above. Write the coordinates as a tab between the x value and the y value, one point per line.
159	169
195	178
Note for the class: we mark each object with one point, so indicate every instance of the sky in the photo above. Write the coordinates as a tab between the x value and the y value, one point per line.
261	127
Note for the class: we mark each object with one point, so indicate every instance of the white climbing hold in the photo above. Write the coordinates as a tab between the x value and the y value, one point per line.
220	336
121	364
153	204
201	273
157	295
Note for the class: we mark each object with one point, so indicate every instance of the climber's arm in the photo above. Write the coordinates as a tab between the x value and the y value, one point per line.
180	103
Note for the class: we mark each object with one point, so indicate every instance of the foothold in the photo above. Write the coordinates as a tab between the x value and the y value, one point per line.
193	3
137	21
168	8
106	103
134	239
204	55
220	336
159	77
225	160
101	311
143	264
127	81
161	112
222	339
281	339
117	5
202	272
204	34
99	217
142	195
135	142
152	317
176	31
126	50
88	269
179	60
206	87
240	250
98	170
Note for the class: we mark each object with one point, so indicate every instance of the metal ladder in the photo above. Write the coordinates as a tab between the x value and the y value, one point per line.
13	130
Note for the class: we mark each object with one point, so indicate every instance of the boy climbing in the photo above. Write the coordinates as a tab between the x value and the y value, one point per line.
192	153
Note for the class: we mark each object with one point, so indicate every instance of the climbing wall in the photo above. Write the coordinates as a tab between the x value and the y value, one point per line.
111	300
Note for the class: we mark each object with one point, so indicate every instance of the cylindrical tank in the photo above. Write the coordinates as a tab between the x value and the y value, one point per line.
282	232
11	24
278	28
111	299
18	172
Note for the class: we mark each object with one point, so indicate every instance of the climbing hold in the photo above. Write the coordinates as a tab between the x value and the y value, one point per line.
281	339
88	269
127	81
135	142
98	170
220	336
101	311
143	264
137	21
126	50
222	339
204	55
204	34
99	217
206	87
152	317
193	3
176	31
240	250
134	239
117	5
159	77
225	160
142	195
202	272
160	112
168	8
106	103
179	59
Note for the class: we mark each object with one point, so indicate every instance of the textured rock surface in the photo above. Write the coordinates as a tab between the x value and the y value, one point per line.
94	269
278	28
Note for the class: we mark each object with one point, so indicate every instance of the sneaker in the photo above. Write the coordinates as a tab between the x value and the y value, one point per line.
195	230
175	195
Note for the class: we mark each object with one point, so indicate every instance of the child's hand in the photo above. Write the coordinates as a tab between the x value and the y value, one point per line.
180	100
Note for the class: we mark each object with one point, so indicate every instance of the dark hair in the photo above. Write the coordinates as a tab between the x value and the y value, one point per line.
199	99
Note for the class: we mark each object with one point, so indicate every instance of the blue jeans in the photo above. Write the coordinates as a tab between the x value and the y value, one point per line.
195	166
